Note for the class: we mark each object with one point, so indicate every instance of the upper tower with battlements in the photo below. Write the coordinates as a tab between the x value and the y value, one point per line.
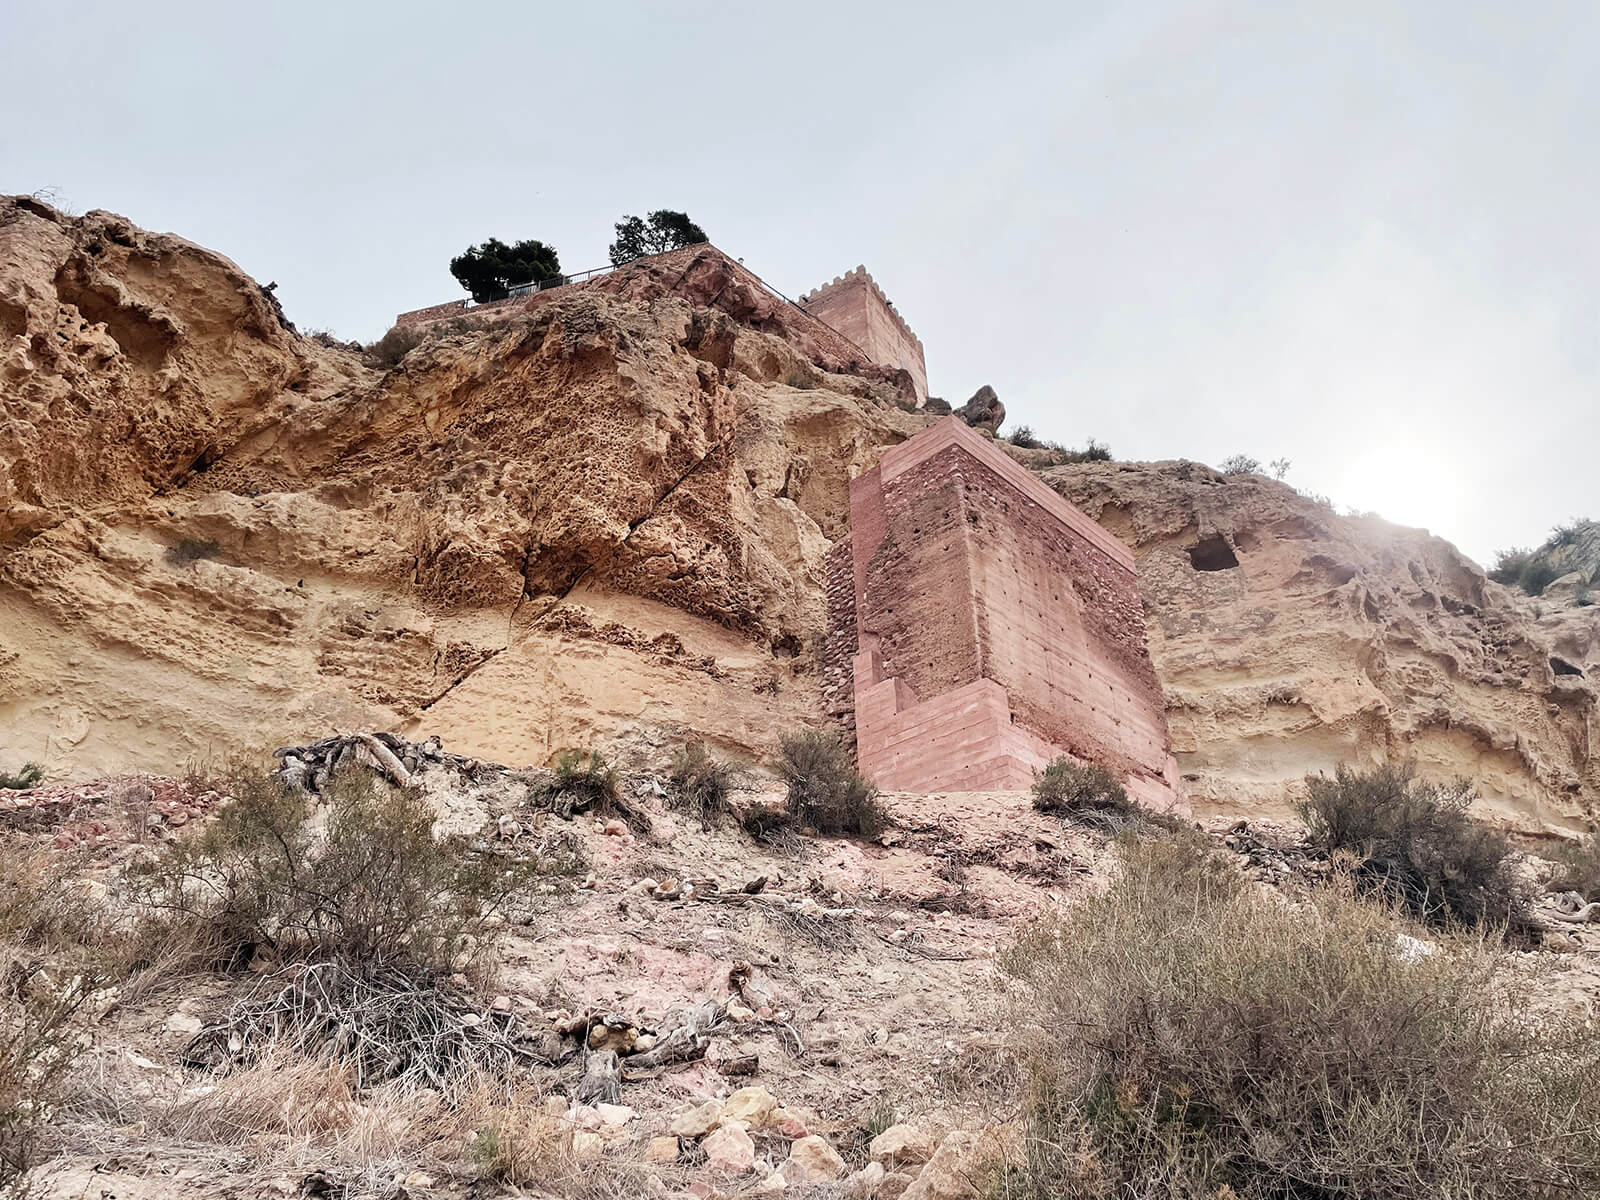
855	305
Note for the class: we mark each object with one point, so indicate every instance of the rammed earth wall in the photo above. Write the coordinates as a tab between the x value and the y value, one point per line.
995	625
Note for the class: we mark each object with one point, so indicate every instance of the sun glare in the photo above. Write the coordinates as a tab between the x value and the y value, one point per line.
1403	485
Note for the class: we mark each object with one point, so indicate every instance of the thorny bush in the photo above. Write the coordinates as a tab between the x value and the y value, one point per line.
700	783
50	927
1190	1036
361	878
1417	844
824	789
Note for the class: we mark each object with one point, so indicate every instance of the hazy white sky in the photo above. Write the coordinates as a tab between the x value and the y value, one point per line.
1360	234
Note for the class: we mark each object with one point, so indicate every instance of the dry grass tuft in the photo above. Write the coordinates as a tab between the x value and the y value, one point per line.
1190	1036
700	783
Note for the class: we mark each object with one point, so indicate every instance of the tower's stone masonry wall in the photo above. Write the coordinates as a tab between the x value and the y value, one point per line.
996	626
837	649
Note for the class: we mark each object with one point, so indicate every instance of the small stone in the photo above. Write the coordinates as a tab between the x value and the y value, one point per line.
698	1122
753	1106
582	1116
661	1150
790	1122
182	1022
820	1161
730	1149
419	1179
615	828
587	1146
901	1145
738	1012
863	1185
502	1004
615	1114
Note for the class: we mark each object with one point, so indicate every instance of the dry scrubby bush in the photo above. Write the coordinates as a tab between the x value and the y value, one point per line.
1574	547
699	784
1578	868
825	790
400	341
1091	794
29	775
1068	786
1190	1036
366	882
1417	844
1024	438
51	963
288	1111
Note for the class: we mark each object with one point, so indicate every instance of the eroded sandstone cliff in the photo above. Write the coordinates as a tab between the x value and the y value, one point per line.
1289	638
598	522
602	521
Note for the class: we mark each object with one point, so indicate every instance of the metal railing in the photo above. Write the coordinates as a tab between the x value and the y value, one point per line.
555	281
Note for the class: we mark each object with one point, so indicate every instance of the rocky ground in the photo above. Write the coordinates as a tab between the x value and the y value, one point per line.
854	1025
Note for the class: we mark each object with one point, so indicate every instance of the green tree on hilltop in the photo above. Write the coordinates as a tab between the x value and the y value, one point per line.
664	230
491	270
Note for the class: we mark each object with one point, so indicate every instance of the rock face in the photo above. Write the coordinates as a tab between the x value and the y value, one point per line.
984	410
599	521
1288	638
606	520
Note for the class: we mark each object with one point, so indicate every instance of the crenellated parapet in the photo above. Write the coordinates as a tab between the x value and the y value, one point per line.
856	306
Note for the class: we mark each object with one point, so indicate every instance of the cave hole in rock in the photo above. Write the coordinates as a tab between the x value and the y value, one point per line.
1212	554
1562	667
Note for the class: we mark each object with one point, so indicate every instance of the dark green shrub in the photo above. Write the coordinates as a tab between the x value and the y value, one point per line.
29	775
825	791
699	784
1240	464
1572	548
371	887
664	230
490	270
1024	438
1417	844
1189	1036
1068	786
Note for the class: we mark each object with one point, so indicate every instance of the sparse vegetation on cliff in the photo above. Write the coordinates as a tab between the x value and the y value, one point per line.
1416	844
372	887
388	350
825	790
1573	548
1070	787
1578	868
1024	438
1187	1035
699	784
